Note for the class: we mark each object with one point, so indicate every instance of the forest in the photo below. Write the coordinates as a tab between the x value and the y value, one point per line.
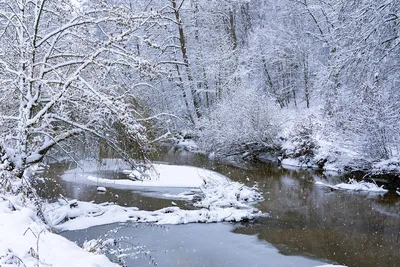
311	84
313	80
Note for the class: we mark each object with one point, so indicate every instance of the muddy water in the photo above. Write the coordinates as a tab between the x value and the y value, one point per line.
308	225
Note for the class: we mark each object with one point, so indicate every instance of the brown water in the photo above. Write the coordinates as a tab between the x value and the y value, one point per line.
308	226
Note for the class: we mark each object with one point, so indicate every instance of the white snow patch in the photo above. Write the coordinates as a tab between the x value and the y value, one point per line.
160	175
391	165
187	195
233	194
77	3
26	241
356	186
296	163
187	144
84	215
219	198
101	189
291	162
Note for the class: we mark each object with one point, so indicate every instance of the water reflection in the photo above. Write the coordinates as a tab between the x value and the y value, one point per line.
198	245
354	229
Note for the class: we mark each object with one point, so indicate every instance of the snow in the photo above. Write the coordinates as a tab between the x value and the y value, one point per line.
232	194
26	241
356	186
217	197
331	265
76	3
83	215
289	163
101	189
160	175
186	144
391	165
92	165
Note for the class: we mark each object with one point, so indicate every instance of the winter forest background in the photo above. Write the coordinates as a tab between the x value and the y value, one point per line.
315	80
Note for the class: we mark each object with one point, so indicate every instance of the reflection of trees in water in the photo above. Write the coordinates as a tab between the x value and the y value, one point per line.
351	228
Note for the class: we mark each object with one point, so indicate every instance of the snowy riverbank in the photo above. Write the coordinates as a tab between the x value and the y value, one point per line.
295	152
216	197
26	241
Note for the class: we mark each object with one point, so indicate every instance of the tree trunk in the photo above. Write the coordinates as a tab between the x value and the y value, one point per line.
232	28
185	57
306	81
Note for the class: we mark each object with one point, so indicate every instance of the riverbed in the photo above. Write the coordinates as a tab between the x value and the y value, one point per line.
308	225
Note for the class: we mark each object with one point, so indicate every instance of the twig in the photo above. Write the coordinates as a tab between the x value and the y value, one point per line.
31	232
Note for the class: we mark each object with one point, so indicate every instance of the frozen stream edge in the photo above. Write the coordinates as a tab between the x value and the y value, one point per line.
219	199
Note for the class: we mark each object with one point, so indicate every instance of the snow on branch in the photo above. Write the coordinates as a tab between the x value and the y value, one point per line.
61	76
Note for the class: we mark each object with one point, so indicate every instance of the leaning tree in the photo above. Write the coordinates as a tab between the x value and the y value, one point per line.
64	68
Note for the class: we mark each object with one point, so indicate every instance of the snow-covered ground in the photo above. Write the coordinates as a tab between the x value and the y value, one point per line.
356	186
26	241
217	197
159	175
389	166
82	215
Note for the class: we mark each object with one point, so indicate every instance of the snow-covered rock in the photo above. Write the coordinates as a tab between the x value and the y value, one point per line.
101	189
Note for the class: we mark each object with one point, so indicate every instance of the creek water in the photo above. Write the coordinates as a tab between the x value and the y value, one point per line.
308	225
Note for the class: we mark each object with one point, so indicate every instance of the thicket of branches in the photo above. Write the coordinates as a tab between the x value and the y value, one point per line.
331	64
234	71
69	71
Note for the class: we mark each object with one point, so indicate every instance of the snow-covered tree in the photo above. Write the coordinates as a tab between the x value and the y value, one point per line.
67	70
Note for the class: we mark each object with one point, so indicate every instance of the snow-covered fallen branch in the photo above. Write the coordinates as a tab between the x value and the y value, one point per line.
356	186
229	194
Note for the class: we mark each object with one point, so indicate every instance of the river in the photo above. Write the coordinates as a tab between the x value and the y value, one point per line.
308	225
